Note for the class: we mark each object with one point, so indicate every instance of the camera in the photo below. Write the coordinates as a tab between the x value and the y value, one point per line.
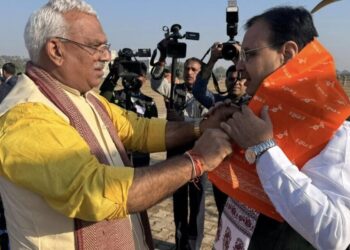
173	47
229	51
126	64
128	68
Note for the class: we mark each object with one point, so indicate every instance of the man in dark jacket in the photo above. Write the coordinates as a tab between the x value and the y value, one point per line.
8	71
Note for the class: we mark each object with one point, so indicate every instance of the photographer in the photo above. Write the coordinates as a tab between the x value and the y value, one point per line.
131	98
236	89
189	232
235	92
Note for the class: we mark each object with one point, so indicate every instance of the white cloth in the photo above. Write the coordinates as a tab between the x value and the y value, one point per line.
236	226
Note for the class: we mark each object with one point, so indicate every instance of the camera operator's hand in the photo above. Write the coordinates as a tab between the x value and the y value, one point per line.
238	48
161	46
215	54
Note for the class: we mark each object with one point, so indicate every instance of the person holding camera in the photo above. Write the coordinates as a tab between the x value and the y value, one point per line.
236	93
235	87
189	223
65	179
292	189
131	98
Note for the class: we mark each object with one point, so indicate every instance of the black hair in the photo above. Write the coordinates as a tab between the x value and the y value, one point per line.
192	59
287	24
230	69
9	68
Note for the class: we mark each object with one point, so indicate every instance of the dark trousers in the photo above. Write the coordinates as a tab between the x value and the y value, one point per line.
188	205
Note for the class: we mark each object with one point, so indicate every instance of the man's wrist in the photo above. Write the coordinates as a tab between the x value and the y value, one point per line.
253	153
212	60
197	164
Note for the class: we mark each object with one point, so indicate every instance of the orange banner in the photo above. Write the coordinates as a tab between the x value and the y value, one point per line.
306	105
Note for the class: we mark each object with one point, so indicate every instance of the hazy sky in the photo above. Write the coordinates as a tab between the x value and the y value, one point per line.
138	23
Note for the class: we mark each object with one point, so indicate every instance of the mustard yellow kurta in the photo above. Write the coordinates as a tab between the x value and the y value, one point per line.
42	155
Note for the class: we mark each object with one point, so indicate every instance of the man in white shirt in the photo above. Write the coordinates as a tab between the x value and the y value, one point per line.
312	197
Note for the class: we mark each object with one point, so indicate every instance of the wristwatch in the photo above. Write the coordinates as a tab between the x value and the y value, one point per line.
252	153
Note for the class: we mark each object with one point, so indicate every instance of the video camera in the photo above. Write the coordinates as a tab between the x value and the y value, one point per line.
128	68
126	64
229	52
173	47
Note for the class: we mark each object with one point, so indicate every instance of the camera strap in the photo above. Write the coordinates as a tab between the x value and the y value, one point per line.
215	81
216	85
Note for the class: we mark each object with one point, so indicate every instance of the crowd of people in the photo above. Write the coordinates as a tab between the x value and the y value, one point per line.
74	164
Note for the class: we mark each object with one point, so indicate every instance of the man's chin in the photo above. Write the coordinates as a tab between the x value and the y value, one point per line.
189	81
95	84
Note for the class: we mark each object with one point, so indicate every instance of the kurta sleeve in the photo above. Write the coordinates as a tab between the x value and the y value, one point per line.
41	152
137	133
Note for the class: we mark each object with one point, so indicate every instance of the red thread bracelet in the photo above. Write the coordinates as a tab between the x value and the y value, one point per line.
197	163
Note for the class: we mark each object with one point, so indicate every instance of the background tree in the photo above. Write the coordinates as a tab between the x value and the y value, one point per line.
220	72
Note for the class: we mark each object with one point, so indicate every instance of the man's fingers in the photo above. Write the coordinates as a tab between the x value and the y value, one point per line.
229	128
246	110
224	140
265	115
226	128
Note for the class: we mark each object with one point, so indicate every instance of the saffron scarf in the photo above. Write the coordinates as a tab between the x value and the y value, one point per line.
112	234
306	105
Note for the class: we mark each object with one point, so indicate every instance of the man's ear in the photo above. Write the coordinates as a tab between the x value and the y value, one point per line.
289	50
54	51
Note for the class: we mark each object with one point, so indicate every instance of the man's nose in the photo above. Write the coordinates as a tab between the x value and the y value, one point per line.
106	57
240	66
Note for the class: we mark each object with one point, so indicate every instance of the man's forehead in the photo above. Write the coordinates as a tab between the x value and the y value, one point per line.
193	64
85	25
256	36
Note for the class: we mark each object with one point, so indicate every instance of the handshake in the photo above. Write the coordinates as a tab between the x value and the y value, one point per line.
227	124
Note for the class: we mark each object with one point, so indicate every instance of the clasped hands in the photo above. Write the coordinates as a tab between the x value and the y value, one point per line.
240	123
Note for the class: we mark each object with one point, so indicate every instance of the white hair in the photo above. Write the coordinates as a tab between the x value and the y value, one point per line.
49	22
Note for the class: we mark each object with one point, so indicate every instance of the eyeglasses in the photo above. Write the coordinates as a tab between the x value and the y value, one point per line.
100	49
245	55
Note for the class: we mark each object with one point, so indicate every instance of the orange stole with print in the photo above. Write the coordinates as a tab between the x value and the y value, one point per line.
306	105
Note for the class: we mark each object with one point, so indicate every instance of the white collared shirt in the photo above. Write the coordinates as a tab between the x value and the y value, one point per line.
315	200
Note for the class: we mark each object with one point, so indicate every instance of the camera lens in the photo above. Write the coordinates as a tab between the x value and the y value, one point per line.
229	52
